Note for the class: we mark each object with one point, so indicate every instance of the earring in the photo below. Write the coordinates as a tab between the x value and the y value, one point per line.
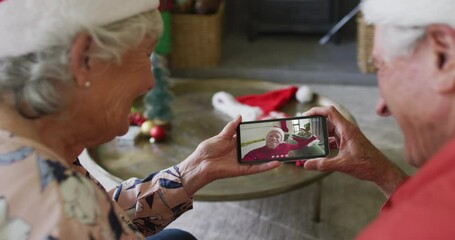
87	84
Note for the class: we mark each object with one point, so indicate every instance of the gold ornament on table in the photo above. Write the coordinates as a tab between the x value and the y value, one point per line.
146	127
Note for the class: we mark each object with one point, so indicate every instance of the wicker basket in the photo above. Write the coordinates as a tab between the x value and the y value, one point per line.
196	39
365	36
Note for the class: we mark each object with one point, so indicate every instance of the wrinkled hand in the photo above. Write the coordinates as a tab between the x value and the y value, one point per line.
216	158
357	156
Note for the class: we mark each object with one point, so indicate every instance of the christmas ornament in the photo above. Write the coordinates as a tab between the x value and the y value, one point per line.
136	118
157	133
146	127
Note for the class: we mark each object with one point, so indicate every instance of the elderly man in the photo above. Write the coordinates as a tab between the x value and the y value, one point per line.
414	53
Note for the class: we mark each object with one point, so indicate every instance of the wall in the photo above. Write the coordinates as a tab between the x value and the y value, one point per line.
237	16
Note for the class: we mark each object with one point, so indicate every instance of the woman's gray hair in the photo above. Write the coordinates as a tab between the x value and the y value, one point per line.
33	79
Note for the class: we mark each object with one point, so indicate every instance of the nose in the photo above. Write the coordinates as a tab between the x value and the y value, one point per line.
151	81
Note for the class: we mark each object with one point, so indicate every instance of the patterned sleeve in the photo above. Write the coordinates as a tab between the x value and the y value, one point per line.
77	166
41	197
155	201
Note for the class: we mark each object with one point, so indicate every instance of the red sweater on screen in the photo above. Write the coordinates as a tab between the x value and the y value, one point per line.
423	207
281	151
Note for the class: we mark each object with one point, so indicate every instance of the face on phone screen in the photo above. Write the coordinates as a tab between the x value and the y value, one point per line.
287	139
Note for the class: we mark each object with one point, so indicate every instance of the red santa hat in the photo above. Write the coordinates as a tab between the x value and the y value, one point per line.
409	13
30	25
260	106
269	101
278	130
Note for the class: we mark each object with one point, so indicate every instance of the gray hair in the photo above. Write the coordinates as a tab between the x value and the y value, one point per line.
32	79
401	41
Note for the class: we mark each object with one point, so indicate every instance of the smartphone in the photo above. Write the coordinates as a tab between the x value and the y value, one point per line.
285	139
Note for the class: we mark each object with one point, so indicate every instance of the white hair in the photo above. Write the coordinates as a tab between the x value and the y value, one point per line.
405	21
400	41
32	78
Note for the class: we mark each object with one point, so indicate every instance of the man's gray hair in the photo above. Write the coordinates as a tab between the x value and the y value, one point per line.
405	21
33	79
401	41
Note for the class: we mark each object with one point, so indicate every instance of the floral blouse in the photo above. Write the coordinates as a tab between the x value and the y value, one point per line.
44	197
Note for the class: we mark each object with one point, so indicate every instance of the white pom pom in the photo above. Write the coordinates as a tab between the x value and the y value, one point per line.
304	94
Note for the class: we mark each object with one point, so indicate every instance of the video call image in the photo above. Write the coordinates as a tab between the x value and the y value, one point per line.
284	140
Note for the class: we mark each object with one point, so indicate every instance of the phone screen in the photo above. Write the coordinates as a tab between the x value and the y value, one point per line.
286	139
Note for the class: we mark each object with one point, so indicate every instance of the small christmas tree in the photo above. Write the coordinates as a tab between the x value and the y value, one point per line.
157	100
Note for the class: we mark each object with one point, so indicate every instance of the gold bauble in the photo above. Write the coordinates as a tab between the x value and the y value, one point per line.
146	127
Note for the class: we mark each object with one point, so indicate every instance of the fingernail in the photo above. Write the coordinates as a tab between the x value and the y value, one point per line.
274	163
310	165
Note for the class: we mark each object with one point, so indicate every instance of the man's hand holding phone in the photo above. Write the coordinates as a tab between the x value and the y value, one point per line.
357	156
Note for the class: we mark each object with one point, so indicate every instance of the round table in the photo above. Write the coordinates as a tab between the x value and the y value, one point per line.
196	120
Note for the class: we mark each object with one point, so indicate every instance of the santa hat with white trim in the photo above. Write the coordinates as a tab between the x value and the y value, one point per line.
30	25
409	13
260	106
278	130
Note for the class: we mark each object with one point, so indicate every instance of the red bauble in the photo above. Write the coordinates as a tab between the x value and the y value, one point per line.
136	118
158	133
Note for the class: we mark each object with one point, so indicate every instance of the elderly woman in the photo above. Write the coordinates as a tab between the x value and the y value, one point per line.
69	71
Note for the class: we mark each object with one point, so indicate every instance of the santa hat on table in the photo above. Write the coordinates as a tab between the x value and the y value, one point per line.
30	25
260	106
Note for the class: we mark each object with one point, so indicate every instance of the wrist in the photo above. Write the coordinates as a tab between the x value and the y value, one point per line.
391	179
192	176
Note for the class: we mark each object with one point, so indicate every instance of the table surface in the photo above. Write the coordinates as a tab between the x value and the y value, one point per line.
196	120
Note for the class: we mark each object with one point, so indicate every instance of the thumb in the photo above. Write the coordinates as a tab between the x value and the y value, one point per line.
252	169
319	164
230	129
311	164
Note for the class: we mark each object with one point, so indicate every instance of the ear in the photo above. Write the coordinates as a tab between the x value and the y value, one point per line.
442	41
79	60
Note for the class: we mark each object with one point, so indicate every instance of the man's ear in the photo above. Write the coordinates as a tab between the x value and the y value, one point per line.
79	59
442	40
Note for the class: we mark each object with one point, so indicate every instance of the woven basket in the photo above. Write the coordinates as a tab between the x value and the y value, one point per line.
365	37
196	39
